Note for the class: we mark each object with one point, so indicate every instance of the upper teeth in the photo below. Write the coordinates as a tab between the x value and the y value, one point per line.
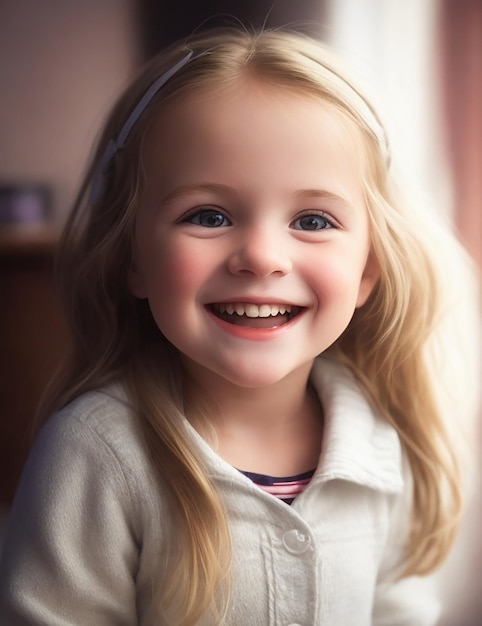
253	310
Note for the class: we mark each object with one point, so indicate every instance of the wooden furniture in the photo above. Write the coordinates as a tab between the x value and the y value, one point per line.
33	340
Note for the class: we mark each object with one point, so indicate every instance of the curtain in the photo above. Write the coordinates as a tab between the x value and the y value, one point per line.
461	45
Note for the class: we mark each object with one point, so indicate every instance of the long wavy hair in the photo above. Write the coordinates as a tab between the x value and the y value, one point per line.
386	344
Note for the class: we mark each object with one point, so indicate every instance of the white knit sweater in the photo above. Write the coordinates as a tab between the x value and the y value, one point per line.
89	525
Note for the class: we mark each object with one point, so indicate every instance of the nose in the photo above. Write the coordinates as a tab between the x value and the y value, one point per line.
260	252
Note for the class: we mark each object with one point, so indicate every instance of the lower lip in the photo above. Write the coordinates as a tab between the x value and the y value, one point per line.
255	334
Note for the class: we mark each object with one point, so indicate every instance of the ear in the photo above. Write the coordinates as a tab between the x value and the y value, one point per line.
369	279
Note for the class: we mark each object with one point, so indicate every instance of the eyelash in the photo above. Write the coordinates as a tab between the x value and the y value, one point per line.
191	218
197	216
329	223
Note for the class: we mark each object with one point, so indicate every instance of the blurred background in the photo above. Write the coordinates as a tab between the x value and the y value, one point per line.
62	64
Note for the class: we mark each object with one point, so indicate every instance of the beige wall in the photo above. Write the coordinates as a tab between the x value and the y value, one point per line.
61	64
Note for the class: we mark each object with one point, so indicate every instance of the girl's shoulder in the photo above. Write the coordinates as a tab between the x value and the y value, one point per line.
97	433
105	411
86	501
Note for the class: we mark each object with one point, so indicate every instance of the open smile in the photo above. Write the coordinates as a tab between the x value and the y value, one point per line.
253	315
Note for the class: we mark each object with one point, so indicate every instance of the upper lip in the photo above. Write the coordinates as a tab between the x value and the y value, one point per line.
258	301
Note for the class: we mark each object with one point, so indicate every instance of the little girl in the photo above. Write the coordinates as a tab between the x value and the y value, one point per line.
247	432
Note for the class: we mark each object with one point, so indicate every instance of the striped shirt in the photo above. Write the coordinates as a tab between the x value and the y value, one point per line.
285	488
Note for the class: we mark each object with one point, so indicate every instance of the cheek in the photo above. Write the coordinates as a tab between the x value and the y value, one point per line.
177	272
337	276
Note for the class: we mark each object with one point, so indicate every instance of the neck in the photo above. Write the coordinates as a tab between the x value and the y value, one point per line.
274	430
263	407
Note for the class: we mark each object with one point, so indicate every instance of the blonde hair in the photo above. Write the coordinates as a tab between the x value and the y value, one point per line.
385	345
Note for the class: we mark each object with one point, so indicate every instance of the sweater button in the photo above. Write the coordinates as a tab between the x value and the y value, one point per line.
296	542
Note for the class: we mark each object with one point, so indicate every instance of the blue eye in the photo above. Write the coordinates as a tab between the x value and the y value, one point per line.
209	218
313	221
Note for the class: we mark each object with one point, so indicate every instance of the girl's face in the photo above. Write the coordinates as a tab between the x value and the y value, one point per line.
252	238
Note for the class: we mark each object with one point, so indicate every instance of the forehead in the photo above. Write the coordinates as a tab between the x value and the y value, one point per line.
227	131
250	101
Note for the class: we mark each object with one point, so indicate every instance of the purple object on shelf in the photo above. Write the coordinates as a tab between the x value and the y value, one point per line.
28	203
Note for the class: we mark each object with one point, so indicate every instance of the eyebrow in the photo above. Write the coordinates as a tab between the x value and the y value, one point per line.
322	193
185	190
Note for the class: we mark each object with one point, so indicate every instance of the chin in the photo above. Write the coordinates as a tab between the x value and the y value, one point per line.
253	379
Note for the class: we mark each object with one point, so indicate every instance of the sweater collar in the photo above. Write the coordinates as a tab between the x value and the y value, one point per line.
358	444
